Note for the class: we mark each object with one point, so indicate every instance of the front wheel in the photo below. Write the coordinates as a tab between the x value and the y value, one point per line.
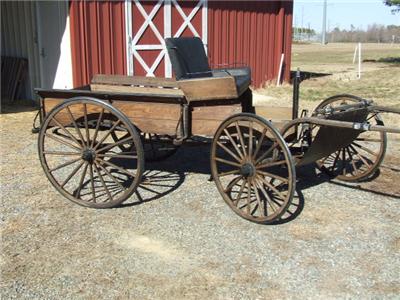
253	168
360	159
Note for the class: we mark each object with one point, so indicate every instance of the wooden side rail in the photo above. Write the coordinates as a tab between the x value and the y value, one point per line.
209	88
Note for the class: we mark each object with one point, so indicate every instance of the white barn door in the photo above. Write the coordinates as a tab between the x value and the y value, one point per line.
148	23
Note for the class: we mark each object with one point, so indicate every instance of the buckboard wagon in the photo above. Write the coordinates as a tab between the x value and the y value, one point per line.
94	141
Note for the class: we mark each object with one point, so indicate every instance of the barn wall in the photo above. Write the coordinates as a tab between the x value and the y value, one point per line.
255	33
97	39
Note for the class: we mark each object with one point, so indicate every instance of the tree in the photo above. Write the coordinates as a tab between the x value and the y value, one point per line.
394	3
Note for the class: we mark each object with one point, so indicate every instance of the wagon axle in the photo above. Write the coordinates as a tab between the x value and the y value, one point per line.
89	155
248	170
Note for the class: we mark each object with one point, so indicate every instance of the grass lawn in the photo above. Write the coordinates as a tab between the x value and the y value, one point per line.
379	81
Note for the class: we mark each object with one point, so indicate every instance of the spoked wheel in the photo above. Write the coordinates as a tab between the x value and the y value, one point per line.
82	160
362	158
252	168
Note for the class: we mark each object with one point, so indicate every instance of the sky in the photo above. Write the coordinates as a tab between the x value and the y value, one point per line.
342	13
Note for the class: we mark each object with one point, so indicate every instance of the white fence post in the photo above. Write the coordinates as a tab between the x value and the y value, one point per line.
359	60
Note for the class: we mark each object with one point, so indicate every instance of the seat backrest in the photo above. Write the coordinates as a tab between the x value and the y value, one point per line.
188	58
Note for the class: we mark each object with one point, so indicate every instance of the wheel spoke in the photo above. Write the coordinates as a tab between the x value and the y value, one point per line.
62	141
61	153
116	167
103	183
248	196
270	164
268	200
365	149
107	134
335	161
86	124
258	198
117	156
229	152
239	196
250	139
343	161
78	131
233	172
239	132
259	143
368	140
66	131
352	160
272	187
64	165
360	156
227	162
92	183
266	153
72	174
111	176
232	183
109	147
96	131
78	192
233	143
284	180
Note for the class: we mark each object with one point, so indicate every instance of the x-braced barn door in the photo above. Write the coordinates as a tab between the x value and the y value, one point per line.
149	22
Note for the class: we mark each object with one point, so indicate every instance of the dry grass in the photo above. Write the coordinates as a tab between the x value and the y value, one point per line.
379	81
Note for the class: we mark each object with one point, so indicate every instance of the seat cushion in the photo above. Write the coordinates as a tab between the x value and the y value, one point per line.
242	77
188	57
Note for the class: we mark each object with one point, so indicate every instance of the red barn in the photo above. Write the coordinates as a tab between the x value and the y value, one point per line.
77	39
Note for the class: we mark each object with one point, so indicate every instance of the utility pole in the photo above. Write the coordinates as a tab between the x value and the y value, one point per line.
324	24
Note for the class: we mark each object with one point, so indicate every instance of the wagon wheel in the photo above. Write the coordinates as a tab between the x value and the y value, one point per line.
253	168
362	158
156	147
80	158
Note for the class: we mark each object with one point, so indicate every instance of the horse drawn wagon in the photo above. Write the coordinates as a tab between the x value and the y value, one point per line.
94	141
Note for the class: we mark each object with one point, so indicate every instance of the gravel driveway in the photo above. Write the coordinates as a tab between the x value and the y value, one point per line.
178	239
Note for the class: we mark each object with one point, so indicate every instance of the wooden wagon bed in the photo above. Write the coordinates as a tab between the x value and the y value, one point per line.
155	105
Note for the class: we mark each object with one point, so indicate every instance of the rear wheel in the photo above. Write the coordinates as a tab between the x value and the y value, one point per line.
360	159
252	168
82	160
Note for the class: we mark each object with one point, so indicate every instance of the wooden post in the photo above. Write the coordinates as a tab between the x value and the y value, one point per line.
278	81
355	54
359	60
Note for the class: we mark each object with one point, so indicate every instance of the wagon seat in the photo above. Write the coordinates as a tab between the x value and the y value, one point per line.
189	60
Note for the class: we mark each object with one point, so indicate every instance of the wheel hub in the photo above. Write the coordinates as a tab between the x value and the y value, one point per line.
88	155
248	170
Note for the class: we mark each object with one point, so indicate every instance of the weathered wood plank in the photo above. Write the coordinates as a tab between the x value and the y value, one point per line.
134	80
210	88
161	118
206	119
152	91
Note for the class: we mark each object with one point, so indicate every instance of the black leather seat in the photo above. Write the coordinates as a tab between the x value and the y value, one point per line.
189	60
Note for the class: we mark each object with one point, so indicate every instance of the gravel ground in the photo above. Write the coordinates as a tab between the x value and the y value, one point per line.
182	240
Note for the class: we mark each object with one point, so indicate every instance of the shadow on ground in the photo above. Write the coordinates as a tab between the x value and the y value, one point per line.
304	75
18	106
163	177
